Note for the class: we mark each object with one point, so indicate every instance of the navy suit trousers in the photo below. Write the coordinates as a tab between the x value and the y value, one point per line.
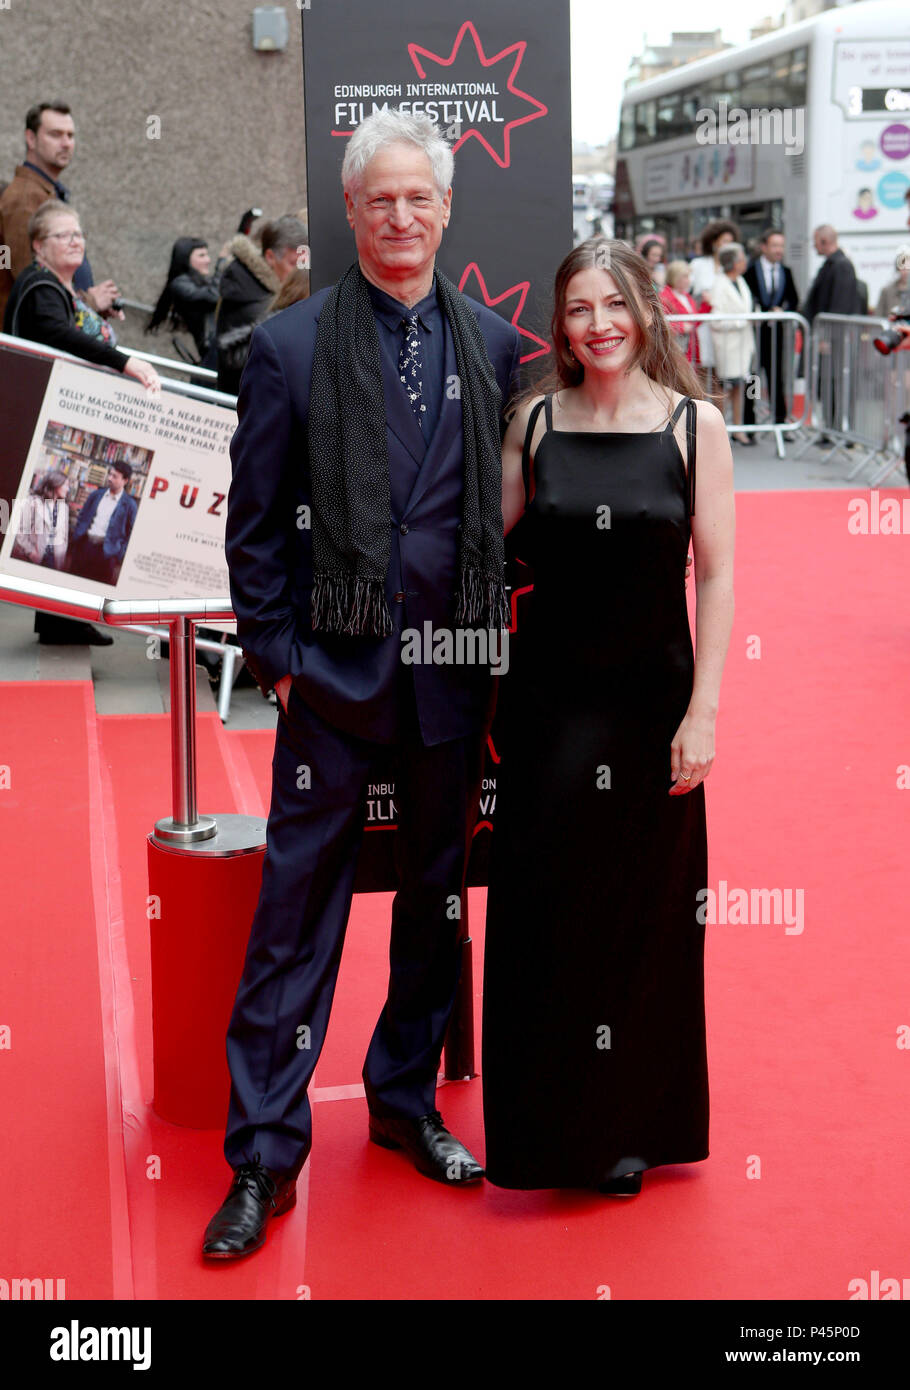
281	1012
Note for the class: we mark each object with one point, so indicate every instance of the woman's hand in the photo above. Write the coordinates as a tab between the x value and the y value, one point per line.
101	297
692	752
145	373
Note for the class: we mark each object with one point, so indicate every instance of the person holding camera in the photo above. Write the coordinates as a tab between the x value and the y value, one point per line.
894	304
896	293
46	307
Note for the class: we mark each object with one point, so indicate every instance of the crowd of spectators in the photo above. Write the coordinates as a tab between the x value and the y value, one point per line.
724	277
48	292
49	295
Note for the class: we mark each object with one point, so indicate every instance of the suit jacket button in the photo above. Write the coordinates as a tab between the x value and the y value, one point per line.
399	597
403	528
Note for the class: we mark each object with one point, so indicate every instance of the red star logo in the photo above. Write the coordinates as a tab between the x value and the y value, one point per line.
521	292
516	49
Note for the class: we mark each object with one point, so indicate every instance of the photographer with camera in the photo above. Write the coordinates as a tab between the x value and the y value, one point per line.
897	338
895	290
894	304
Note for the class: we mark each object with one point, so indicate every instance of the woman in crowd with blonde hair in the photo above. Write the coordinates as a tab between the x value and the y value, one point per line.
44	306
676	299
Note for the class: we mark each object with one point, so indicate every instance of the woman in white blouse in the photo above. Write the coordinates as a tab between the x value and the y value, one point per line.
705	270
734	343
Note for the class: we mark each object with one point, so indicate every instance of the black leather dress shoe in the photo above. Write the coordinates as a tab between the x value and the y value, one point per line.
436	1153
68	632
629	1185
239	1225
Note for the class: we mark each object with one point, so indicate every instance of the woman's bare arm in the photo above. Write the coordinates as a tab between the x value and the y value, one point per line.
513	488
713	529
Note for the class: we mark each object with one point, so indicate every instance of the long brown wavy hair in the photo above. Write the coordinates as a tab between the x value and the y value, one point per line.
657	353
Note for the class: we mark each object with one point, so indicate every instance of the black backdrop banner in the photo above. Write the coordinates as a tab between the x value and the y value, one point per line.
496	80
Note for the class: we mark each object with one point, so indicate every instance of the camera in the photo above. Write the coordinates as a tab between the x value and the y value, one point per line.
888	341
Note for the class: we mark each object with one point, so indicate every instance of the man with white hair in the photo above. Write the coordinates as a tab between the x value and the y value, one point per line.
366	499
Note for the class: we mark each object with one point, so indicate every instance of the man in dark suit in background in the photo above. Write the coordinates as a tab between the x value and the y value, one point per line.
366	500
833	291
773	291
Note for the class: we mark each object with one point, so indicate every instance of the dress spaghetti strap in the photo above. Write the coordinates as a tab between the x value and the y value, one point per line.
675	416
688	402
526	451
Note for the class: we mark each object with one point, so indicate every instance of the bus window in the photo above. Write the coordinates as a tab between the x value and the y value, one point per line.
668	116
627	128
756	86
689	107
645	122
796	89
723	87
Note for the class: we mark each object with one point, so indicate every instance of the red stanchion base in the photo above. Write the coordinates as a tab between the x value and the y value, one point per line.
202	905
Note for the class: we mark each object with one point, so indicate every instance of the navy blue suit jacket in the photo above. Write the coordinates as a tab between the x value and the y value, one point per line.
353	683
119	527
786	295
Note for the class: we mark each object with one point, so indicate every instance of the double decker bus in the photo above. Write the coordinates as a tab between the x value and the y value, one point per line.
806	125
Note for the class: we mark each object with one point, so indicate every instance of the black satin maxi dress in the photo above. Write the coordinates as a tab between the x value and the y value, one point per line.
594	1050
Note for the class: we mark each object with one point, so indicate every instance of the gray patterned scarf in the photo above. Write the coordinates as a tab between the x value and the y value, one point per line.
349	468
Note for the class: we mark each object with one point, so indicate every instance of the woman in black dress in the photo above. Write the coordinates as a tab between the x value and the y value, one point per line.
594	1057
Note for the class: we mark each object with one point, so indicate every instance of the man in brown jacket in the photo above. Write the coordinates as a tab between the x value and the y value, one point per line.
50	139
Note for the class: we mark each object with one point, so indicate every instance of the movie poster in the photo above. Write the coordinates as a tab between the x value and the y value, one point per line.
123	493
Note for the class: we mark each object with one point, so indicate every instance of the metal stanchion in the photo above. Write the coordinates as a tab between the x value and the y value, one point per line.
781	329
854	390
185	826
204	880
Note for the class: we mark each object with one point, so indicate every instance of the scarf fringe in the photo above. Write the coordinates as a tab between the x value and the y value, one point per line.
481	601
346	604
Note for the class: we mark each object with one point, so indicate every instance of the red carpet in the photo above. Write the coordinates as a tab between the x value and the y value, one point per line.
805	1188
53	1055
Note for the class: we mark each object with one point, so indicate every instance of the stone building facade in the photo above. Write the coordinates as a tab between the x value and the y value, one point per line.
180	124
